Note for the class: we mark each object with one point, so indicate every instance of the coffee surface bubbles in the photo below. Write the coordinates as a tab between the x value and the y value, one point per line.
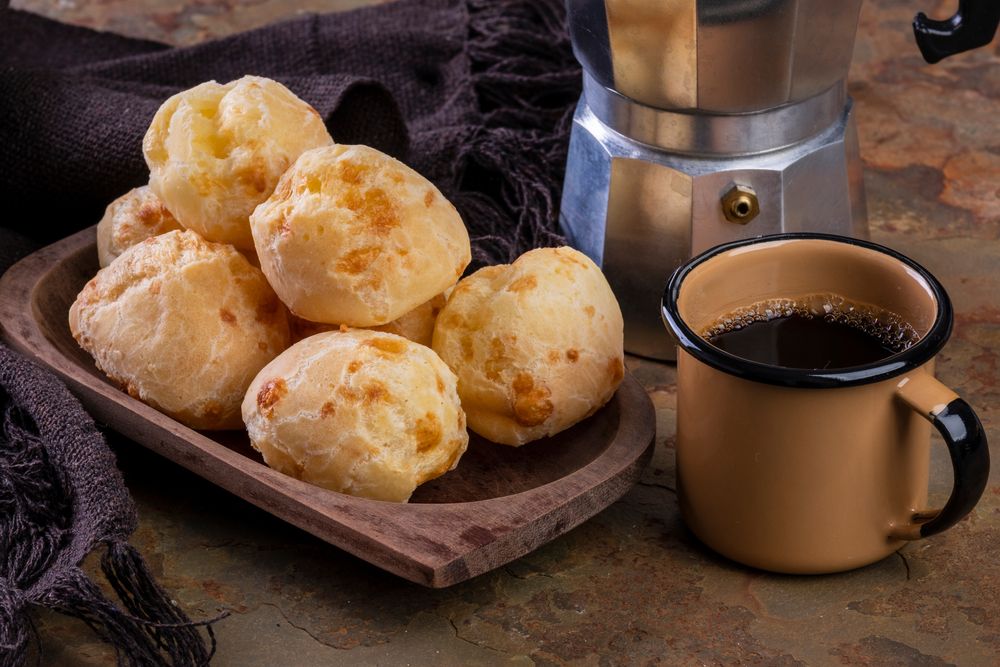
815	332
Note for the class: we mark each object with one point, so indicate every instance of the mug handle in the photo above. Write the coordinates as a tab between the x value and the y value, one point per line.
970	455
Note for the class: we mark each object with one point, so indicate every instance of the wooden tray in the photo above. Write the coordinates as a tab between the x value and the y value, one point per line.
498	504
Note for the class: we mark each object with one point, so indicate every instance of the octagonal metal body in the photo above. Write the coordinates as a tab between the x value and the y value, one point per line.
640	211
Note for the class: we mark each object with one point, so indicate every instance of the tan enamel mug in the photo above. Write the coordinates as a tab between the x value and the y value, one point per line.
812	471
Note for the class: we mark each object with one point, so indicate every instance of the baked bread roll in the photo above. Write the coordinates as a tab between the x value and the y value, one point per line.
183	325
536	345
135	216
216	151
352	236
416	325
366	413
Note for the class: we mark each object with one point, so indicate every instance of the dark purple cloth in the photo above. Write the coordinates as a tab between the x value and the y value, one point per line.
474	94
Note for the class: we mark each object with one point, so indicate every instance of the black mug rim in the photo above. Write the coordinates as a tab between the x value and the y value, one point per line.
912	357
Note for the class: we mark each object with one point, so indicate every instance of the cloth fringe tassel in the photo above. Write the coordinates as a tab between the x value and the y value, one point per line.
527	82
35	515
150	631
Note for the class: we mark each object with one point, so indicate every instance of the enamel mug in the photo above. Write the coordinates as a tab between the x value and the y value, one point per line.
812	471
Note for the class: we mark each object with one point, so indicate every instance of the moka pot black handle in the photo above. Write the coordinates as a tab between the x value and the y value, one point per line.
972	26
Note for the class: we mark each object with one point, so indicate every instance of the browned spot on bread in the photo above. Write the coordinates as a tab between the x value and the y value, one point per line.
227	316
374	209
375	392
468	350
154	287
349	393
395	177
358	260
572	354
553	356
262	346
354	366
327	410
498	361
440	384
89	292
131	389
344	328
531	404
428	198
373	281
427	432
569	257
616	369
387	345
523	284
151	213
267	310
269	395
455	320
589	310
351	172
313	184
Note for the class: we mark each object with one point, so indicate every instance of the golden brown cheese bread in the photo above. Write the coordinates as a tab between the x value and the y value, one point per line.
536	345
135	216
416	325
366	413
215	151
352	236
183	325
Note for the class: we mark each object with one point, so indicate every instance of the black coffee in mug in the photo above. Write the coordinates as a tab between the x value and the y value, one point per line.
821	331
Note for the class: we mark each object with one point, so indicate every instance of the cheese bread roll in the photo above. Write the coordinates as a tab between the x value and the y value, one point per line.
216	151
135	216
366	413
352	236
183	325
537	344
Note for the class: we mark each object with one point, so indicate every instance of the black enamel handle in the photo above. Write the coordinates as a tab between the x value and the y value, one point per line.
972	26
970	459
